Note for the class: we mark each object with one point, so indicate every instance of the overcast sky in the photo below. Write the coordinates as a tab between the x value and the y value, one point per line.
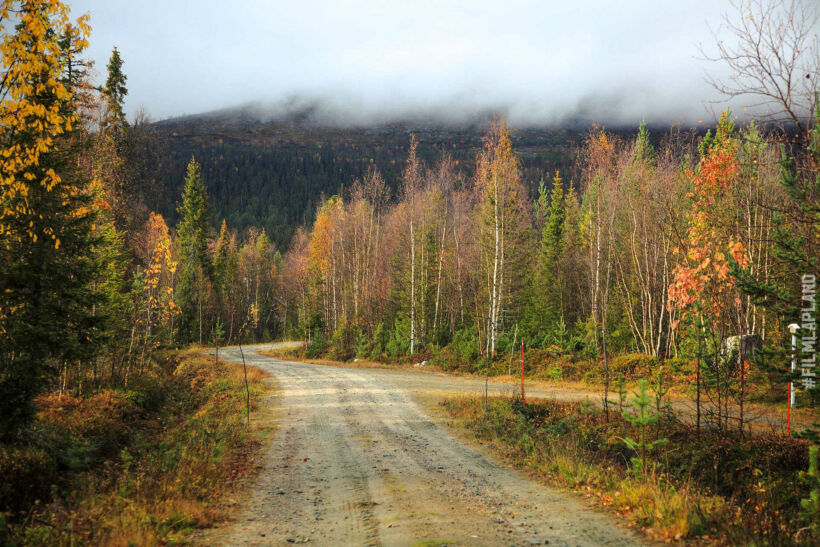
540	61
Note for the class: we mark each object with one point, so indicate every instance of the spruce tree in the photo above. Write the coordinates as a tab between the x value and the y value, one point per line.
47	222
107	170
195	267
644	151
115	92
641	417
223	273
113	151
552	237
220	266
552	243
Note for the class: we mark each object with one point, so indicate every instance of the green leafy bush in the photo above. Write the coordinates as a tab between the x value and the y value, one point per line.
399	343
379	341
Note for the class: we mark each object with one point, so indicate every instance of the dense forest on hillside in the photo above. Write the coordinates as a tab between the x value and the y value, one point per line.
618	260
272	174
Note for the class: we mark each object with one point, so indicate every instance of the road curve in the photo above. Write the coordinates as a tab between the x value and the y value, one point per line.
356	462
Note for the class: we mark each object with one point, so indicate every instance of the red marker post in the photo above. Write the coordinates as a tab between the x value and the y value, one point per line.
789	413
523	400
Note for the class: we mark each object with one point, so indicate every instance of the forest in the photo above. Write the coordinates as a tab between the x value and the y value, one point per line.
618	260
666	252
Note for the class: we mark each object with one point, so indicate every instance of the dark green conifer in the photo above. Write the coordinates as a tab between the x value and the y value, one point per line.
195	266
115	92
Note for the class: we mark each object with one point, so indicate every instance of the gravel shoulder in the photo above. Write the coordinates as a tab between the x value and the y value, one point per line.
356	461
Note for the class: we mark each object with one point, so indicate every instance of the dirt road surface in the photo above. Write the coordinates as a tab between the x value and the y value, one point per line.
355	461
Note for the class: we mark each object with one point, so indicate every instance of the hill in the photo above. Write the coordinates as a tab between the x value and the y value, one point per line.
273	173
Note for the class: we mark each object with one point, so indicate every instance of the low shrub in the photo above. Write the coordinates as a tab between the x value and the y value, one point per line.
634	365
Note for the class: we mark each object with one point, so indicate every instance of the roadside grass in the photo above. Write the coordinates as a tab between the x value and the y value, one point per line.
709	488
287	352
549	365
764	409
137	466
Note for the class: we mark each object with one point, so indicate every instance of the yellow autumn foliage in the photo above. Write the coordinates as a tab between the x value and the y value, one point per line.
31	59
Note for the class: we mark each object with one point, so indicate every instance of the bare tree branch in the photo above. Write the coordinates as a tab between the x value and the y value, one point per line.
773	53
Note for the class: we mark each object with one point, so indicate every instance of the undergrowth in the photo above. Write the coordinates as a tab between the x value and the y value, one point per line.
714	488
135	466
549	364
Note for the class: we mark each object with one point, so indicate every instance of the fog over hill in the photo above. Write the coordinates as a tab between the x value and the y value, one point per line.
308	112
362	62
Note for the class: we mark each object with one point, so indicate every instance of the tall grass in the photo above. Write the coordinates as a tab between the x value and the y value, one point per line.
142	466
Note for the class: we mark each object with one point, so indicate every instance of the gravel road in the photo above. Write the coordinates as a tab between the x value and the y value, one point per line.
355	461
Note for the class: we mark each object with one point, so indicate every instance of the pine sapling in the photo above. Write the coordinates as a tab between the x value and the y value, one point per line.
660	389
586	406
642	417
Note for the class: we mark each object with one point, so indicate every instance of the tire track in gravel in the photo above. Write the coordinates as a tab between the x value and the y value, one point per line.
355	461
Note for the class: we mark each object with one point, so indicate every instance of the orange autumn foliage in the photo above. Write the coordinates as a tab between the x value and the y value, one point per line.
705	278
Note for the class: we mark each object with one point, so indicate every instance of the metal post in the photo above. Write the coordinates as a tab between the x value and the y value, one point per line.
523	399
793	328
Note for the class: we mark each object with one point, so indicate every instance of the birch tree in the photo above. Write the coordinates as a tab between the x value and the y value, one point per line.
411	183
501	211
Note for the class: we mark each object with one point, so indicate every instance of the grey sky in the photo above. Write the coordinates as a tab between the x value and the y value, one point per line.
541	61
